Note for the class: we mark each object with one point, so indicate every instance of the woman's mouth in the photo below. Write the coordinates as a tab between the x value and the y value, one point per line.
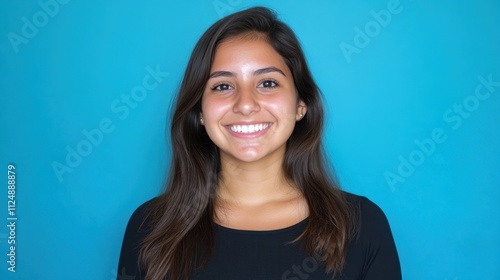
249	128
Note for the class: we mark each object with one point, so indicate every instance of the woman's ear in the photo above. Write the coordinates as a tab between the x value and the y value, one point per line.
301	110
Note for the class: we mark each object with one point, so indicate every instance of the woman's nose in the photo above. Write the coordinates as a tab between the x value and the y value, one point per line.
246	102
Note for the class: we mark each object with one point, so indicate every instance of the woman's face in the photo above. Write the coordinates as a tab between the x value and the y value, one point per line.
249	106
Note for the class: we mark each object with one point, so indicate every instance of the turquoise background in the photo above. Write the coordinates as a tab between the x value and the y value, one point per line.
401	86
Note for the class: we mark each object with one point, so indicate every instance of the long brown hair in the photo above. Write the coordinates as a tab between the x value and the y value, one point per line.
182	218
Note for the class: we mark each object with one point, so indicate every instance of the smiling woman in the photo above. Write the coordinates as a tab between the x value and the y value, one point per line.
249	196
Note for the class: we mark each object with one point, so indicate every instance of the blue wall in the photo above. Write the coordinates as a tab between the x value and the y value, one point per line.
412	93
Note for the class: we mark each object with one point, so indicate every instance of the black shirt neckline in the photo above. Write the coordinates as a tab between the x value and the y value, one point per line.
300	225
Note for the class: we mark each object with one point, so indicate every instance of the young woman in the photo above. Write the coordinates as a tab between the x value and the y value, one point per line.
249	195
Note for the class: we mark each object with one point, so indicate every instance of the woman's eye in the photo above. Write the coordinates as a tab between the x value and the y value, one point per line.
268	84
221	87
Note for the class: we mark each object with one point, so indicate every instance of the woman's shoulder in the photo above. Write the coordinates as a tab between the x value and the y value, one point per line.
137	228
139	222
363	204
374	250
143	210
371	218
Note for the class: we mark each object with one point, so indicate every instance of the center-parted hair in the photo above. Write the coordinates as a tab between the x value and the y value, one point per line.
182	233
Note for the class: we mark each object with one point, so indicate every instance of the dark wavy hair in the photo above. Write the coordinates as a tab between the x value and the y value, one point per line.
182	218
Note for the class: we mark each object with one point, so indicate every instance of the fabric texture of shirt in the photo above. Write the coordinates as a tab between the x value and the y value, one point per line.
269	255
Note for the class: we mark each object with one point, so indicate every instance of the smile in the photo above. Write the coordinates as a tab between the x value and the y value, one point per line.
249	128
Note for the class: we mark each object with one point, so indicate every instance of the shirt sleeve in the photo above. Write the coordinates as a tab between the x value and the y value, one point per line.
381	256
128	265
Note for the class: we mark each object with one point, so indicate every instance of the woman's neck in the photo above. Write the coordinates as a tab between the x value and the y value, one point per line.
253	183
256	196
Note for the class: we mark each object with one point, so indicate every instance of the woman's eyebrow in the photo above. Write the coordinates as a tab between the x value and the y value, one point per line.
268	70
255	73
221	74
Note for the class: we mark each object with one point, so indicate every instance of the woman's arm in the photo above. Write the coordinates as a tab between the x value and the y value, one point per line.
381	256
128	265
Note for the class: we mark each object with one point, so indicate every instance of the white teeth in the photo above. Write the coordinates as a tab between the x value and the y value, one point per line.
249	128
